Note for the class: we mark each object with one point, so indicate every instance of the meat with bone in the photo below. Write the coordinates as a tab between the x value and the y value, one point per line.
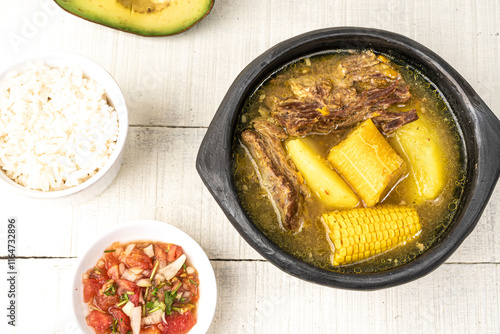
278	175
301	117
361	87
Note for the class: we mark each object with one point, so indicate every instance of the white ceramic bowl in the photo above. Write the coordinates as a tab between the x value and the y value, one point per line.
104	177
150	230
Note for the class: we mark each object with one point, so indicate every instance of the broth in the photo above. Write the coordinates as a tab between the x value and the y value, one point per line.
312	244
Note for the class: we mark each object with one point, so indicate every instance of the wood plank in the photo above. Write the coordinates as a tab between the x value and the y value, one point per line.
256	297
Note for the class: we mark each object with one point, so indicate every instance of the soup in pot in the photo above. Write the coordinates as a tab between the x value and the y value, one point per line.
350	161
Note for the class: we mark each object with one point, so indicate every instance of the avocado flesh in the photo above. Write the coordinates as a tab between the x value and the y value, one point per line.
142	17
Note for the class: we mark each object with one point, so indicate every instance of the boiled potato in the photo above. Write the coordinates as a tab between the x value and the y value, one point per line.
329	186
426	161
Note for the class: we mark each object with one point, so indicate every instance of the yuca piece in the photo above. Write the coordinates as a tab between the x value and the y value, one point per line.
367	162
358	234
323	181
427	175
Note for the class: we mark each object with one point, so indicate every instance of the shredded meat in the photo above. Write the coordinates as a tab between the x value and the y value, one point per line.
278	174
361	87
390	122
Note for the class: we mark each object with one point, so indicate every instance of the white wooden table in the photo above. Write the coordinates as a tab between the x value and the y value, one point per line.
173	86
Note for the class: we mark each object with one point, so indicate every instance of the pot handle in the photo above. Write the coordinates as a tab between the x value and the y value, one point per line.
489	138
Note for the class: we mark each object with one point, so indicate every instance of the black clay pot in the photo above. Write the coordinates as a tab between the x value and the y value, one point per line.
480	127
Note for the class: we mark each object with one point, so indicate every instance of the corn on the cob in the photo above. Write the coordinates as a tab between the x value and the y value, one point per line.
360	233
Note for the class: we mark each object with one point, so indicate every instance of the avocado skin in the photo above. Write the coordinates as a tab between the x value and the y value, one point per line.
123	20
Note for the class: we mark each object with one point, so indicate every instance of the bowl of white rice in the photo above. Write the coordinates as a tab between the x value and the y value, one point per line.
63	126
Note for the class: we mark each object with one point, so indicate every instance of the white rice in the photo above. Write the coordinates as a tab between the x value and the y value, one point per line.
56	127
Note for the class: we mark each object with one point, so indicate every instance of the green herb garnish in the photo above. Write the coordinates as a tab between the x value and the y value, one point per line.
122	303
154	270
190	280
111	289
110	251
124	297
114	326
154	306
177	288
169	300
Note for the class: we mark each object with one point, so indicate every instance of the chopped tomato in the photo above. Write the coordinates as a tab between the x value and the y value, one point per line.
99	321
123	320
114	272
127	286
99	274
104	302
190	286
177	323
174	253
138	259
160	256
90	288
110	260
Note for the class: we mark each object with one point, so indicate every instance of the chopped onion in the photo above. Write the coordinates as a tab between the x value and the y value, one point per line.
121	267
135	320
163	317
85	276
190	270
144	282
149	251
127	309
152	318
186	294
136	270
141	299
159	278
169	271
129	249
119	250
132	274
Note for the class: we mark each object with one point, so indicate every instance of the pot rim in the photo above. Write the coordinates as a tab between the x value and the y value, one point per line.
482	173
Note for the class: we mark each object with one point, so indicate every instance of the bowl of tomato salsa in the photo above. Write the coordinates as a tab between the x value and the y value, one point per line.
144	277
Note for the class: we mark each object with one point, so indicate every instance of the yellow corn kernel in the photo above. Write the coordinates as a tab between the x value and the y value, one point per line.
367	162
356	240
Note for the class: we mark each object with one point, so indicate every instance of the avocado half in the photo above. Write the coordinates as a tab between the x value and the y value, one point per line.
142	17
